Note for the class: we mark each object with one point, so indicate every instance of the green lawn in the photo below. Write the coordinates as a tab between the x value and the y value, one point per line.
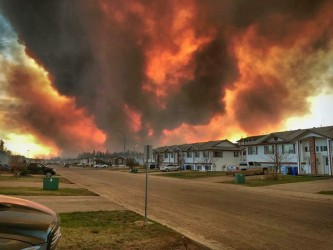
30	178
118	230
36	191
282	179
326	192
192	174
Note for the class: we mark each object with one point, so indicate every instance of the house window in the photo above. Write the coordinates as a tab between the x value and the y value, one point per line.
288	149
172	155
205	154
323	148
269	149
218	154
197	154
306	149
189	154
317	149
236	154
165	155
252	150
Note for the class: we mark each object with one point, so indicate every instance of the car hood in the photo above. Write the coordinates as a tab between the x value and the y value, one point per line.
26	221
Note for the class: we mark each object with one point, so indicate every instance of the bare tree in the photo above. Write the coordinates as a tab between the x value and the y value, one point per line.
278	157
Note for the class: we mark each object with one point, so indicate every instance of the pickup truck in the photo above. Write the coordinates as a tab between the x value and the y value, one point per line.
250	166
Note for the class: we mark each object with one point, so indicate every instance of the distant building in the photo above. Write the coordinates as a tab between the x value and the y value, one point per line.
202	156
308	150
3	155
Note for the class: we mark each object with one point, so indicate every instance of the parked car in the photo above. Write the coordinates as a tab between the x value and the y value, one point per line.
101	165
38	168
150	165
169	167
27	225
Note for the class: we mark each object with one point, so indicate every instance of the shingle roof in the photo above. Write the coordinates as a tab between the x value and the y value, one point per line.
289	136
208	145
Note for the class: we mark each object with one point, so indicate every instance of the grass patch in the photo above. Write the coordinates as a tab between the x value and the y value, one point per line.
192	174
282	179
31	178
326	192
118	230
35	191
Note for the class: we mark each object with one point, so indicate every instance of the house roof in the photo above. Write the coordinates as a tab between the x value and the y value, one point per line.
288	136
223	145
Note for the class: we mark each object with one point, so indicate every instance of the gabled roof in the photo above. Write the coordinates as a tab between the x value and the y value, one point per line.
288	136
208	145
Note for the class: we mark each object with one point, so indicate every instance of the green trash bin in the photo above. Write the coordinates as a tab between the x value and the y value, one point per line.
240	178
50	183
134	170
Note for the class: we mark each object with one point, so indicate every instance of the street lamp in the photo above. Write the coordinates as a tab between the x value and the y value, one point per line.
124	139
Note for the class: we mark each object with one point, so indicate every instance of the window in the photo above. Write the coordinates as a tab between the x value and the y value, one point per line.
323	148
218	154
165	155
252	150
205	154
306	149
236	154
317	149
197	154
171	155
288	149
189	154
269	149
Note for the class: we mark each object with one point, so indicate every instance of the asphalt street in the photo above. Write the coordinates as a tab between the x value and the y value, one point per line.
221	216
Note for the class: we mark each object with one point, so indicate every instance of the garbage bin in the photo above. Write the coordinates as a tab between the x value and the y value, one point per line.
239	178
50	183
294	171
134	170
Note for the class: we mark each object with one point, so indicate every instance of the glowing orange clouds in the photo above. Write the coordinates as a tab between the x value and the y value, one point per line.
53	119
133	118
278	74
170	51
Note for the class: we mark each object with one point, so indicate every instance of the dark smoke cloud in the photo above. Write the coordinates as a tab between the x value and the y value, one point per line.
101	62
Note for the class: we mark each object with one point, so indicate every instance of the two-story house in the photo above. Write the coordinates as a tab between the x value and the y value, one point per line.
202	156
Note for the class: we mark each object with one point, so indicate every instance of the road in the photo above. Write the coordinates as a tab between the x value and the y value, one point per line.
221	216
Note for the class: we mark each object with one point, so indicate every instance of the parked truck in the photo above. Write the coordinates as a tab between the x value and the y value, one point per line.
252	167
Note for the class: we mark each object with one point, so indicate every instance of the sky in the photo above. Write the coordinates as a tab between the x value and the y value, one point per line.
78	75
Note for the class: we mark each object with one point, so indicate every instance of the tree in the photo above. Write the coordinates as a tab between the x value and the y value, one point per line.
278	156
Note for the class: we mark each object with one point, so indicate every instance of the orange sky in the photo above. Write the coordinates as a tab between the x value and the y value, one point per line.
163	73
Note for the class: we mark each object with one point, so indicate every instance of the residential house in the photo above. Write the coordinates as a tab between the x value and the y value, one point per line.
310	150
202	156
3	155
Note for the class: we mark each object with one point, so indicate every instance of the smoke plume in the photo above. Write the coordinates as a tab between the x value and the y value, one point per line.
171	71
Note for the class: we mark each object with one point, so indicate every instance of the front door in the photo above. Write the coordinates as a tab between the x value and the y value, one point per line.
325	160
